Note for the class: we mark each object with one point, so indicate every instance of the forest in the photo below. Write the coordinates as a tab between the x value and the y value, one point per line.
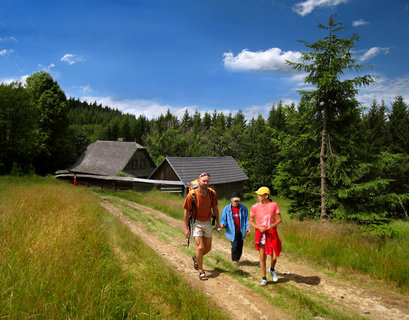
334	158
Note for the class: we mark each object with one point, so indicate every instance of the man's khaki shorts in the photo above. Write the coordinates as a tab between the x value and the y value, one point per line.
202	229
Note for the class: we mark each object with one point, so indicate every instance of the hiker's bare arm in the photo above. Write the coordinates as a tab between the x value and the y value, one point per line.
278	221
186	217
217	214
256	226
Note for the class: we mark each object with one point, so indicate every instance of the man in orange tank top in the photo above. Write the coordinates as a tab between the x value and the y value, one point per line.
201	212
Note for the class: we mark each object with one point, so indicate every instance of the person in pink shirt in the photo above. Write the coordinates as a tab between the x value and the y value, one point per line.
264	217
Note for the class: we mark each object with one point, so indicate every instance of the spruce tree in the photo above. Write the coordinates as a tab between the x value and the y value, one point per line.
399	126
374	124
333	96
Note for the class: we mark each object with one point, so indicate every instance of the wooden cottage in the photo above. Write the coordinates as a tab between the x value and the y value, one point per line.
111	158
226	176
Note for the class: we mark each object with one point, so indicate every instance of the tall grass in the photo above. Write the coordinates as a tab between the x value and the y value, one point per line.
347	247
335	246
63	257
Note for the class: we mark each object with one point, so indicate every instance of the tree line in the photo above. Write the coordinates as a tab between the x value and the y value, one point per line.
333	157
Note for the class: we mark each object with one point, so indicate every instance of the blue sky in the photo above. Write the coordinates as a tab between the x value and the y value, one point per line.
147	56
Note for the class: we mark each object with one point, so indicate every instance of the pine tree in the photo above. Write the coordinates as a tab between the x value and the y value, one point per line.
374	124
258	154
276	117
329	59
399	126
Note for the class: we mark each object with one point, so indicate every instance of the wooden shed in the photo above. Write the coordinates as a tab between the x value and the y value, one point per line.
226	176
110	158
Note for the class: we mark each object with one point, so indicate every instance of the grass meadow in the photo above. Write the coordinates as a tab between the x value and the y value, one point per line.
63	257
296	302
337	247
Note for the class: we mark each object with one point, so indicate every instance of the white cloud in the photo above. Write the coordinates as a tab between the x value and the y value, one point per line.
299	78
255	110
23	79
8	39
10	80
86	89
373	52
49	67
385	89
72	58
360	22
46	68
152	109
264	109
306	7
6	52
148	108
271	60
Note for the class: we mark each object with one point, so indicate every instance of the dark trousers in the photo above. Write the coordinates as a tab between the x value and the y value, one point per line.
237	247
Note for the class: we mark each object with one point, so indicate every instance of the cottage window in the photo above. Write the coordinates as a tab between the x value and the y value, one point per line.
143	163
134	164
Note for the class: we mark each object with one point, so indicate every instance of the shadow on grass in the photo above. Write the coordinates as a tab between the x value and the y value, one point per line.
250	263
214	273
217	271
311	280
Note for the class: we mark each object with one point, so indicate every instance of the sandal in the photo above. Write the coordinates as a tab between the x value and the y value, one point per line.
195	265
202	276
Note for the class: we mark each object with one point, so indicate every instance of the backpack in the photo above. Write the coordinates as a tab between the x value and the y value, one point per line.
193	185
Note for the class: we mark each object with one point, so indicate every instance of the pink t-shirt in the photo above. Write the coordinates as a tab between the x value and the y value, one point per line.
265	215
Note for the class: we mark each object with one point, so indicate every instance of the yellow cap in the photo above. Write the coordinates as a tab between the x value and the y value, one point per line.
263	190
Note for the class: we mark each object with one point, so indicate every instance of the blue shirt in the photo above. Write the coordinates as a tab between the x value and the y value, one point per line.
227	220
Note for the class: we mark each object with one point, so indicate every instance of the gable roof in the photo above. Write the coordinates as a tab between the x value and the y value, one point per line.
106	158
220	169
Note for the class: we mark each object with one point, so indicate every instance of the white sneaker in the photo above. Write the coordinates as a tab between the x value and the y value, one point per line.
236	264
274	275
263	282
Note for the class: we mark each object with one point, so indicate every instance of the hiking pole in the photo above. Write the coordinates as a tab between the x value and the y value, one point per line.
190	230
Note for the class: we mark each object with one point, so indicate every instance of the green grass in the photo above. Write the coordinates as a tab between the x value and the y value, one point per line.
164	202
296	302
346	247
64	257
337	247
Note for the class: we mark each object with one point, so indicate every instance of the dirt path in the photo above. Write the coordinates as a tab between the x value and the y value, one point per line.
365	297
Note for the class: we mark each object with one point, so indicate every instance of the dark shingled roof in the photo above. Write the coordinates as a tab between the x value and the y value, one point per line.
106	158
220	169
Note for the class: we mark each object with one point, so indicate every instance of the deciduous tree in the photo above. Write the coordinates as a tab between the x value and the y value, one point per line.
51	106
